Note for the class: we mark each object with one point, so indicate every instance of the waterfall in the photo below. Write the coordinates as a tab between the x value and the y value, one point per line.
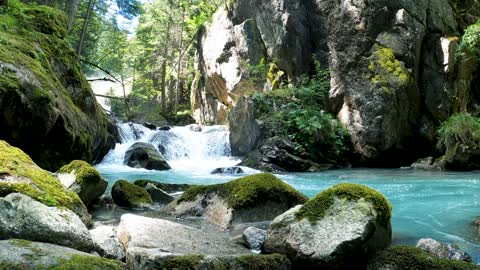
182	147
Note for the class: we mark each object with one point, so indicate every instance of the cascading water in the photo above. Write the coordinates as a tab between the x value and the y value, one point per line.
183	148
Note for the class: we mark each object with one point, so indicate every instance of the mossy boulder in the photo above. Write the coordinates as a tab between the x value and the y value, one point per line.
340	226
412	258
49	109
87	182
127	194
22	255
253	198
19	174
169	188
146	156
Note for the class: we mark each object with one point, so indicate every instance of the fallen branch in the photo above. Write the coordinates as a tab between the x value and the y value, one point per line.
101	79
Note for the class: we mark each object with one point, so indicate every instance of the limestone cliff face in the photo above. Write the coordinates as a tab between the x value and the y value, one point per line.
46	105
393	65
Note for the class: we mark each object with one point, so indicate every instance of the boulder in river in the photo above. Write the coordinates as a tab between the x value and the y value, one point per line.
106	242
406	257
83	179
158	195
144	155
340	226
443	250
165	128
19	174
428	163
127	194
19	254
167	187
195	128
228	170
149	125
254	238
253	198
24	218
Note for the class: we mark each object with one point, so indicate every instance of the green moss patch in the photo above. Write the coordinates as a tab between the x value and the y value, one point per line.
185	262
412	258
263	262
78	262
386	70
31	180
249	191
127	194
84	172
317	207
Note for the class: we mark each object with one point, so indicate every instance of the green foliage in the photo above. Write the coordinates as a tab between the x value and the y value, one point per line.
299	114
317	207
470	43
413	258
249	191
460	128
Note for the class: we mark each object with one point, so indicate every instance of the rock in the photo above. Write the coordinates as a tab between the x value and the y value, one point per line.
443	250
106	242
404	257
229	170
254	238
22	217
165	128
169	188
158	195
253	198
338	228
195	128
244	129
460	157
23	254
144	155
52	112
149	125
19	174
129	195
428	163
87	182
476	226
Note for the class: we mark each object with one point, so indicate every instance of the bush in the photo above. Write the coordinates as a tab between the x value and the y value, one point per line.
459	128
470	43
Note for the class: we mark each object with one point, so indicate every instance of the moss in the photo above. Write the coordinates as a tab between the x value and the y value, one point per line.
185	262
32	181
84	172
79	262
21	243
386	70
263	262
249	191
14	266
412	258
317	207
127	194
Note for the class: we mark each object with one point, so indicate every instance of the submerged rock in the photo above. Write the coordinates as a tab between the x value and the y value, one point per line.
169	188
87	182
127	194
106	242
428	163
22	254
19	174
340	227
443	250
144	155
228	170
404	257
22	217
254	238
253	198
158	195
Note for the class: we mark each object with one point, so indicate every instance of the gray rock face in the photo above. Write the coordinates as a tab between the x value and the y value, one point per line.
106	242
254	238
23	254
25	218
348	230
158	195
144	155
228	170
244	129
443	250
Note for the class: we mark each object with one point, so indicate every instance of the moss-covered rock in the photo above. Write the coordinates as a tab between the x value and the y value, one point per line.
252	198
337	229
49	109
88	183
19	174
412	258
127	194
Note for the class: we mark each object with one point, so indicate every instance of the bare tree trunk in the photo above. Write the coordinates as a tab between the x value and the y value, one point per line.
164	68
179	65
71	8
124	96
91	5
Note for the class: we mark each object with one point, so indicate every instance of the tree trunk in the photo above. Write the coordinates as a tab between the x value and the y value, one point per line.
179	65
71	8
164	67
91	5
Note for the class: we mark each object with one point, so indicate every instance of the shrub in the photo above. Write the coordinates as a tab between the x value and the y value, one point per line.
459	128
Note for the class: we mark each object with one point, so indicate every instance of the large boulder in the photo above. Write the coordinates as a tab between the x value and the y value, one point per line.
144	155
413	258
158	195
22	217
244	129
254	238
443	250
106	242
48	108
19	174
22	254
161	244
83	179
340	227
127	194
253	198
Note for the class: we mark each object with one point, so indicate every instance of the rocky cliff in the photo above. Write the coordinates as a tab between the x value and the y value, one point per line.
395	73
47	107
